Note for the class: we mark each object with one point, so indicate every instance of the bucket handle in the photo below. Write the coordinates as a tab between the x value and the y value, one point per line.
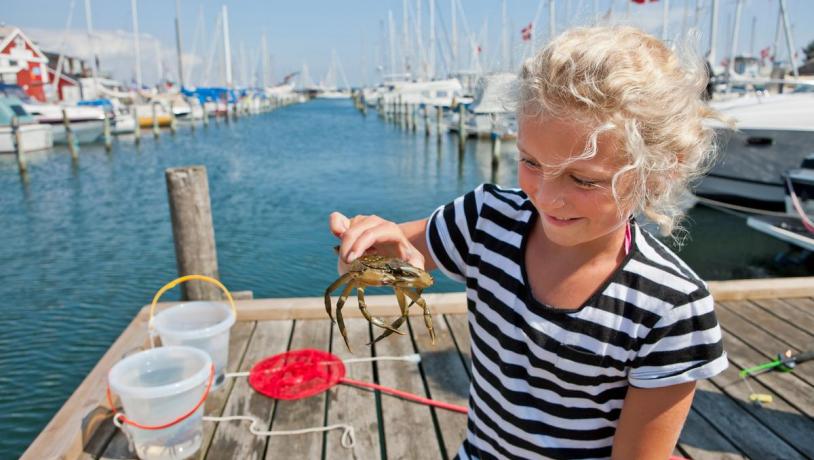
119	418
183	279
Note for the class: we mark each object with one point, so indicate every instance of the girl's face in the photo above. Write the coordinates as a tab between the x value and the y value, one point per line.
575	202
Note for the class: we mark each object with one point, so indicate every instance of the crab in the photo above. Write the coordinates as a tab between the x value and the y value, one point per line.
376	270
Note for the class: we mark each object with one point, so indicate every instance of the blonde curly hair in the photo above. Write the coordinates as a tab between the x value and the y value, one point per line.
631	85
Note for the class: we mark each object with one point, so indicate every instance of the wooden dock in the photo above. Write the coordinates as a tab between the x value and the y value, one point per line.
760	318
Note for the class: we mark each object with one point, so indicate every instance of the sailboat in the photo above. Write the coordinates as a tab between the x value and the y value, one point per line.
327	88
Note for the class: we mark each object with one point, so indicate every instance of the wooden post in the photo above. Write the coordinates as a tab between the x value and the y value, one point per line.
205	115
156	131
173	121
73	146
413	121
108	140
17	138
193	233
461	121
495	148
426	121
438	114
137	128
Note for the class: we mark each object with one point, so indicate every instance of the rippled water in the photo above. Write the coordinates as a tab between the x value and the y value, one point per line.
84	246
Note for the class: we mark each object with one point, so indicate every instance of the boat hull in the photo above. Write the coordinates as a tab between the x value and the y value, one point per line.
85	132
34	137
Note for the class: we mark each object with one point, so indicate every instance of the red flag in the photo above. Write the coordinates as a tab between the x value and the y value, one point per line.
642	2
525	32
764	53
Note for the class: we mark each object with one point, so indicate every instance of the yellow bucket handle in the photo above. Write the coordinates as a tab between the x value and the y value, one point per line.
183	279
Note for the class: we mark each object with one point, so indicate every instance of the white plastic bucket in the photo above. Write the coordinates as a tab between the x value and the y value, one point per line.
158	386
202	324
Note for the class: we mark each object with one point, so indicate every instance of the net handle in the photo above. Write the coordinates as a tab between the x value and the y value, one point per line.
121	418
184	279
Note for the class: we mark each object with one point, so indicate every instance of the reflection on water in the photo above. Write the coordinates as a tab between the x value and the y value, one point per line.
88	243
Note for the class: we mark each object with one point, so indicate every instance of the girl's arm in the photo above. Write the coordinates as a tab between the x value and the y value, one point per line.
651	421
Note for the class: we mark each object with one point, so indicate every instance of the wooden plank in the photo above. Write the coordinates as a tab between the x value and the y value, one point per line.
782	329
749	351
119	447
351	405
409	428
314	307
239	338
62	437
772	288
784	310
233	439
756	335
751	436
805	305
782	418
701	441
302	413
446	380
459	327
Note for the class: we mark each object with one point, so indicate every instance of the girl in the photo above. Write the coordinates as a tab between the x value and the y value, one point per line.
587	333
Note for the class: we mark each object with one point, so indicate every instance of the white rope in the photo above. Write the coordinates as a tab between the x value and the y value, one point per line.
746	209
348	439
230	375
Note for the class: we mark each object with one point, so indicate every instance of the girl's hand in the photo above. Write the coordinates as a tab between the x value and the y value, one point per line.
371	234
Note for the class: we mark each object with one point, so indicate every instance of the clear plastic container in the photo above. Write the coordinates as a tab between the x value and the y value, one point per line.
157	386
202	324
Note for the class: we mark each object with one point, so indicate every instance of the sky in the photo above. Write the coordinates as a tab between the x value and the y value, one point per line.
309	32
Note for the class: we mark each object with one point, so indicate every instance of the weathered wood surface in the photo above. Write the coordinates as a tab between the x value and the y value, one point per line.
192	229
351	405
723	423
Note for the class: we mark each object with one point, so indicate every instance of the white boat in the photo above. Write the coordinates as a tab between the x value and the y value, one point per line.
87	123
774	133
437	93
797	227
493	110
34	136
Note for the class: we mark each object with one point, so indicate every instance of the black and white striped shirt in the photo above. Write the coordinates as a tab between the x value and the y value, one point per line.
550	383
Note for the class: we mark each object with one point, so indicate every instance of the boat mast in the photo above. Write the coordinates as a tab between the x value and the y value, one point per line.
61	59
93	67
665	16
552	22
453	65
134	12
789	40
420	62
713	33
227	54
265	52
735	33
504	38
431	57
178	42
405	39
392	40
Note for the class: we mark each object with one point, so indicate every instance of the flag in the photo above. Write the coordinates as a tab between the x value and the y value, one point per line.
764	53
525	33
642	2
479	49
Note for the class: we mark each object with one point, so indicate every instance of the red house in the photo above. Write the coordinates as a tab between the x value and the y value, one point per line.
22	63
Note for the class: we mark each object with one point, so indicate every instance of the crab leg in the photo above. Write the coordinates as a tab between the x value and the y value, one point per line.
398	322
339	304
360	293
416	296
342	280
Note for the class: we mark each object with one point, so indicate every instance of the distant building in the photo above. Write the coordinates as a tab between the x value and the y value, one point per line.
22	63
73	69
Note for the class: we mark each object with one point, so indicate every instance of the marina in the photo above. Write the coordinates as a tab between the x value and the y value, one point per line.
109	179
723	422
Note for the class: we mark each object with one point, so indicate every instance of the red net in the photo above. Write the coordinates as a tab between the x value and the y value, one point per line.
296	374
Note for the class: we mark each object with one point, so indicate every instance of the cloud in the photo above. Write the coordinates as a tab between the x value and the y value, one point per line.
116	52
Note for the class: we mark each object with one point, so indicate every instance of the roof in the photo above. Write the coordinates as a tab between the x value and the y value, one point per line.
7	34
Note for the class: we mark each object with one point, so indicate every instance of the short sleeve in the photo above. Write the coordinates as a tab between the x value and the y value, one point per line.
684	345
449	233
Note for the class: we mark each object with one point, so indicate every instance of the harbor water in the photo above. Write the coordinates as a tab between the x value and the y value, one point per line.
86	244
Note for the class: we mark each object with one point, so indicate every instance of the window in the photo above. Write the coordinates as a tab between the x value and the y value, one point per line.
18	110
